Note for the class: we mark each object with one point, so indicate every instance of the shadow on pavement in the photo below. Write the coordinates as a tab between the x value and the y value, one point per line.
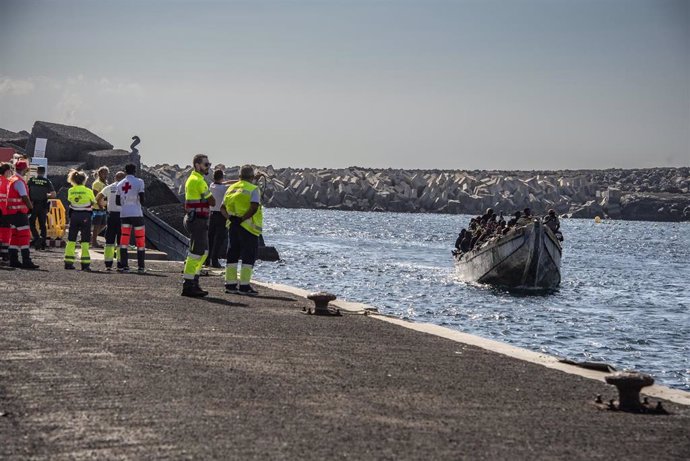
222	301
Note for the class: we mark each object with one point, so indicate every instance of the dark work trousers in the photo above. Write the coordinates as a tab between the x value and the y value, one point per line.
198	235
243	245
79	222
217	237
112	232
40	212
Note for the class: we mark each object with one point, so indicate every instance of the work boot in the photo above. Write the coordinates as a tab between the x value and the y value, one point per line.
69	266
86	267
43	244
247	290
14	258
231	288
29	264
216	264
192	290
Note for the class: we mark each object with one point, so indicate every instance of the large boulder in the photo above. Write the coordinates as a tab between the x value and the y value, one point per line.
110	158
655	207
12	139
66	143
157	192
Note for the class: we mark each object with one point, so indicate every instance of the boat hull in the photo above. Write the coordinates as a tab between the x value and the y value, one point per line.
528	258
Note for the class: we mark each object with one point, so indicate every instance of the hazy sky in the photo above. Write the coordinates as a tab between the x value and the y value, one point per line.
512	84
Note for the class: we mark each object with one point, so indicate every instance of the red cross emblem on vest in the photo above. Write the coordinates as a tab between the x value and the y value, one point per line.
126	187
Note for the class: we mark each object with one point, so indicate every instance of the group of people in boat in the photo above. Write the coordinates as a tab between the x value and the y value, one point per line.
490	226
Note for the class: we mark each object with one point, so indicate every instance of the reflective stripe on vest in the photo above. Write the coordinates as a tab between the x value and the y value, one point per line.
237	202
193	200
15	204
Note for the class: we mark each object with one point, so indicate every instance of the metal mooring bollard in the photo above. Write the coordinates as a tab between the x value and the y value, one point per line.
321	300
629	385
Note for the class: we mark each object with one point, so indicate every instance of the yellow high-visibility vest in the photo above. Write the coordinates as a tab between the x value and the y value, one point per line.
237	201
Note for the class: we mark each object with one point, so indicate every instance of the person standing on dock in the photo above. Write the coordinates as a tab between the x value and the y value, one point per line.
112	231
198	201
130	197
98	219
40	191
81	201
217	234
18	208
242	204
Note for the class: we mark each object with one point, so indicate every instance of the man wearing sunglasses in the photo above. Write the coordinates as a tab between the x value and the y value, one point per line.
197	204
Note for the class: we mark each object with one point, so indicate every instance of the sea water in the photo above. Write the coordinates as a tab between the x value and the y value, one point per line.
624	297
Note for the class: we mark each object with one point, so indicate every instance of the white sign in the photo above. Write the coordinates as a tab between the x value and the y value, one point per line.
40	147
36	162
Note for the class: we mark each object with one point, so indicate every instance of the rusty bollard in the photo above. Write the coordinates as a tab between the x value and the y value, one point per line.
321	300
629	385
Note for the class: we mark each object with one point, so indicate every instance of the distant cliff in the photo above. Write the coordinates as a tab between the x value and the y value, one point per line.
657	194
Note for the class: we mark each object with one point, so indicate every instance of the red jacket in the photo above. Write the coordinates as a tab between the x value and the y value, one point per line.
15	204
4	185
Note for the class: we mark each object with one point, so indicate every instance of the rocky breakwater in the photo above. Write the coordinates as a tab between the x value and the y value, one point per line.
75	147
657	194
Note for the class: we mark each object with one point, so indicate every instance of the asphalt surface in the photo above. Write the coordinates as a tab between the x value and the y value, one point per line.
120	366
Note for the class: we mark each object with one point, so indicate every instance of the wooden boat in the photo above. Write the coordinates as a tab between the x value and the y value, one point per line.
527	258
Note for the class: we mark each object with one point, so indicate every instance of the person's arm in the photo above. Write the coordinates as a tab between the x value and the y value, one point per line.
24	194
51	193
100	199
253	208
207	195
141	198
27	202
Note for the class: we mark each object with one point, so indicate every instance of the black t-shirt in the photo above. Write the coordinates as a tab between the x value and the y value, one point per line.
39	188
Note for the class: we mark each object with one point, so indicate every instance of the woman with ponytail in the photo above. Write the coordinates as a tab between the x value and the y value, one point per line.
81	201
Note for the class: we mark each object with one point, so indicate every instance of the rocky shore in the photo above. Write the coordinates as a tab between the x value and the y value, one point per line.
651	194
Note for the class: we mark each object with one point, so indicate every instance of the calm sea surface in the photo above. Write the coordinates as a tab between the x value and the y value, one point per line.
624	298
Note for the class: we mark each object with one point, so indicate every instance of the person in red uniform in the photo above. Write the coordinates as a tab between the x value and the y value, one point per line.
5	231
18	208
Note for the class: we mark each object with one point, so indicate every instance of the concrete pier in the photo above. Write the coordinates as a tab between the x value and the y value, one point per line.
119	366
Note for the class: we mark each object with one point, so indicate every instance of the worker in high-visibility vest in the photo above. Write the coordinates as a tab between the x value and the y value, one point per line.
5	229
242	206
81	201
198	201
18	207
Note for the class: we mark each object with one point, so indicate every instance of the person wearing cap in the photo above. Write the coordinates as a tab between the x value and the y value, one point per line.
198	201
18	208
112	230
98	218
5	230
40	191
242	205
81	201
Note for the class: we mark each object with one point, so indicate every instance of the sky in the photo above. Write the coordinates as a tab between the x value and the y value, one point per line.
511	84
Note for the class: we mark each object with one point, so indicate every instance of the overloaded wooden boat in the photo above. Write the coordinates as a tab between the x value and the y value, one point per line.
527	258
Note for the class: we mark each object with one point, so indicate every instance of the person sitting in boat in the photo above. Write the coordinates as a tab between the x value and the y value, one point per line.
461	236
551	221
512	222
526	217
